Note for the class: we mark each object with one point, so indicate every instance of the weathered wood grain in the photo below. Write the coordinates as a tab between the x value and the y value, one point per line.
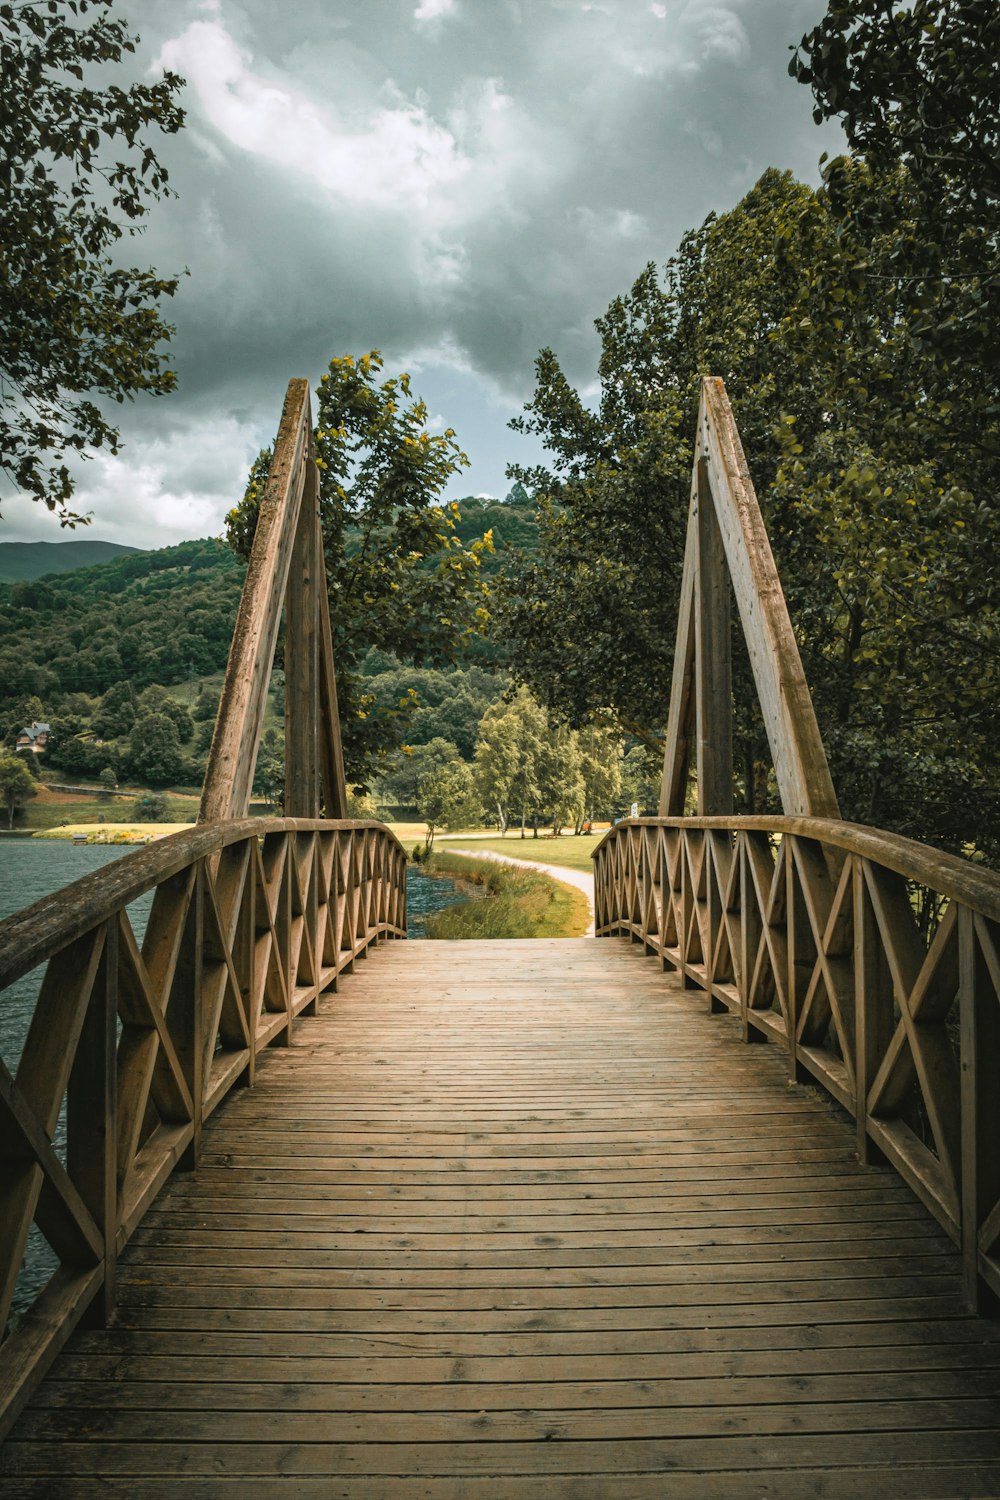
521	1219
143	1043
817	946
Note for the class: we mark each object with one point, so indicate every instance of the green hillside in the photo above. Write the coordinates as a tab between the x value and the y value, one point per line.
23	561
148	617
512	522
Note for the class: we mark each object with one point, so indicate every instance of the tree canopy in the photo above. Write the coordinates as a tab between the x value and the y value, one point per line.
17	784
79	176
876	489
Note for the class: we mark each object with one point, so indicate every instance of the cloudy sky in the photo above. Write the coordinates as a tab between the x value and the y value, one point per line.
455	182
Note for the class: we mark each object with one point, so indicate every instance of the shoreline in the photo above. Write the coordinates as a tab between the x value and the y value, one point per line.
577	879
101	833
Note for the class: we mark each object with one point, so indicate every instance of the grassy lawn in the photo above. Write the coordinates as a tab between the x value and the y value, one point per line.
64	812
568	850
515	903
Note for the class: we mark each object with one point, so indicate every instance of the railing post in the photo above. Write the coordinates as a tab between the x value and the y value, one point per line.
979	1026
801	954
310	916
185	1013
91	1111
872	1004
283	933
713	916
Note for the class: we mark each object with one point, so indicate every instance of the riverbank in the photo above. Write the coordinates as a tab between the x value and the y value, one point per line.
515	900
576	879
109	833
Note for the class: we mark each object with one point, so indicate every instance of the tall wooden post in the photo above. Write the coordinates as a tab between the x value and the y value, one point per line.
713	666
302	658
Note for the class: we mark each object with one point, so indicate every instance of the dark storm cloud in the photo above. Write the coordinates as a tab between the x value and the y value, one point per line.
457	182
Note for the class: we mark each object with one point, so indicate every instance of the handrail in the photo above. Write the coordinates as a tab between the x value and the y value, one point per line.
133	1045
958	879
807	930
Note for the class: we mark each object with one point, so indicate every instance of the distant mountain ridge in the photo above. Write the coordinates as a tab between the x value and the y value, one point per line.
24	561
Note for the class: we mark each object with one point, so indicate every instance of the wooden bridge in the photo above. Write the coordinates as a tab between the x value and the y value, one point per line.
509	1219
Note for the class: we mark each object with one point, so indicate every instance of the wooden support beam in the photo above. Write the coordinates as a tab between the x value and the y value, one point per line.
677	752
302	657
233	755
286	569
713	665
330	749
797	752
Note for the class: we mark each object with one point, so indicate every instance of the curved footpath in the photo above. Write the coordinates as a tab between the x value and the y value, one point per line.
576	878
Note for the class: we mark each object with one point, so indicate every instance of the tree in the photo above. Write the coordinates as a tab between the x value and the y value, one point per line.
117	711
640	784
446	798
16	783
509	752
601	769
900	320
911	287
154	754
561	786
399	783
155	699
399	577
205	706
269	772
108	780
590	619
80	176
913	84
876	465
151	807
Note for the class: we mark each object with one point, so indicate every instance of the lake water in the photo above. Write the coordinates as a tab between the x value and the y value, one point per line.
32	868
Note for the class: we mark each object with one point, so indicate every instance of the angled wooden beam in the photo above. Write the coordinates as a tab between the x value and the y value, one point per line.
797	751
233	755
727	543
287	570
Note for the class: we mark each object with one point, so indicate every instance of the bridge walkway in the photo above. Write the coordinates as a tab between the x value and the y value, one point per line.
523	1220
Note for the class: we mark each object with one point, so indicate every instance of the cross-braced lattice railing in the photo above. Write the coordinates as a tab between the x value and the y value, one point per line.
874	961
132	1045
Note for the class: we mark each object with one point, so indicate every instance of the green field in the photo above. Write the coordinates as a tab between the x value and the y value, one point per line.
63	811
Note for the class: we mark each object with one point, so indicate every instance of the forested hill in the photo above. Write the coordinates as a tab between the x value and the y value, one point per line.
512	522
27	560
163	617
149	617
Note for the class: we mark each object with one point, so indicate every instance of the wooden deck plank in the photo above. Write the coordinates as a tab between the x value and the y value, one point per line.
520	1220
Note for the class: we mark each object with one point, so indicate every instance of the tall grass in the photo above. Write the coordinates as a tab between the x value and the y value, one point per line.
509	902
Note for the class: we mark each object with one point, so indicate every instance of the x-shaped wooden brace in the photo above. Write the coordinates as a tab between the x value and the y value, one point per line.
925	981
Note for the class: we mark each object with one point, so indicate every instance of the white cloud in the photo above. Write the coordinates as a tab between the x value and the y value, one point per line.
719	32
610	224
429	10
396	156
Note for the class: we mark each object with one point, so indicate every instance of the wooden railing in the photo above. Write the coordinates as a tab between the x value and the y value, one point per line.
132	1045
872	960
